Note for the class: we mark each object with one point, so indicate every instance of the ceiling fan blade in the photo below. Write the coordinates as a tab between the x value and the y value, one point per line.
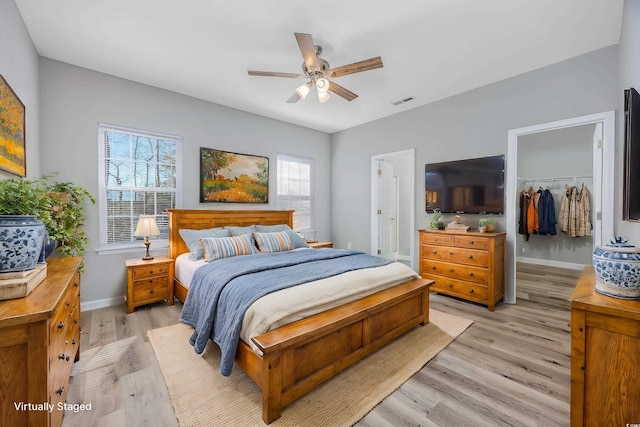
294	98
305	42
275	74
356	67
341	91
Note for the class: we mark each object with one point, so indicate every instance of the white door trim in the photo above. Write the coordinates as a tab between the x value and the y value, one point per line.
374	200
606	175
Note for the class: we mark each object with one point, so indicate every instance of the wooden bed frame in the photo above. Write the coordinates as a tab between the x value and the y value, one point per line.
303	354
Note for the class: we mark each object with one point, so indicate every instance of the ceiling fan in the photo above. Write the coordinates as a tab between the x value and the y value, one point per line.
317	69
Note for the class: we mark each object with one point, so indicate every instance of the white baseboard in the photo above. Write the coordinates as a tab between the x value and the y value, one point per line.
551	263
101	303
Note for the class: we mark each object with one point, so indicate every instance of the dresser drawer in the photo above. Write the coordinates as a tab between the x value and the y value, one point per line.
456	271
155	288
471	242
456	255
466	290
436	239
151	270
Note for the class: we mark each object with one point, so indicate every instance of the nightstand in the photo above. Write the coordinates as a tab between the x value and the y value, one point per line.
318	245
149	281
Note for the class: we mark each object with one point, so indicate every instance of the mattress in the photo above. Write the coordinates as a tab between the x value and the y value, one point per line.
292	304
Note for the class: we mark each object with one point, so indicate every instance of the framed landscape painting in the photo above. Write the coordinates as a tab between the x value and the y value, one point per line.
227	177
12	127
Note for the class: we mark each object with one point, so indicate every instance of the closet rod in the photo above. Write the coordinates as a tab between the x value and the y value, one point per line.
556	178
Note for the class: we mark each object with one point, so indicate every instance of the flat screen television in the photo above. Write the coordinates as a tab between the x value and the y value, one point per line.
471	186
631	199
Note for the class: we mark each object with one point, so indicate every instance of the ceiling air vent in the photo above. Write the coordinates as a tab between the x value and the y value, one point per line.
402	101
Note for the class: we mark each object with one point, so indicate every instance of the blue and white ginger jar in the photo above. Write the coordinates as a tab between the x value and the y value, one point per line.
21	242
617	267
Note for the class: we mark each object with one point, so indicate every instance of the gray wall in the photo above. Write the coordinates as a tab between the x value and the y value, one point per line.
74	100
629	76
19	67
557	153
472	124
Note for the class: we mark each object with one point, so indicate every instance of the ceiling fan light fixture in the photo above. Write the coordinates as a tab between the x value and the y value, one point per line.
323	96
304	90
322	85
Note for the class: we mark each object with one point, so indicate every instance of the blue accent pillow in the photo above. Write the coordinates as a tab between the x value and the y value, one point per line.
273	242
191	237
239	231
298	242
226	247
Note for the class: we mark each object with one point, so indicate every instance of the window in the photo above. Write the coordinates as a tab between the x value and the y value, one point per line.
295	189
138	176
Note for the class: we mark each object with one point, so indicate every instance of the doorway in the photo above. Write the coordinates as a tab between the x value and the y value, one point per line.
601	175
392	205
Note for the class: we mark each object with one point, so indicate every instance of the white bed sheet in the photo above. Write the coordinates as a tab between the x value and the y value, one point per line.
295	303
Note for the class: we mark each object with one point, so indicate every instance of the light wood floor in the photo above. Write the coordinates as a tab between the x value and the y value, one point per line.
511	367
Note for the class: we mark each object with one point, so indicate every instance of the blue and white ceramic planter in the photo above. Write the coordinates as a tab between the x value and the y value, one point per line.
617	267
21	242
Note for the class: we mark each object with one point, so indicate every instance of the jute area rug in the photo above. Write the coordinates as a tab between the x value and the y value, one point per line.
202	397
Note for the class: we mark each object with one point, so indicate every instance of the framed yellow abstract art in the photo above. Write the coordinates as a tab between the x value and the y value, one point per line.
12	131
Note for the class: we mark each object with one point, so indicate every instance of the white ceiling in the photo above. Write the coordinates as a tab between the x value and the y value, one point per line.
431	49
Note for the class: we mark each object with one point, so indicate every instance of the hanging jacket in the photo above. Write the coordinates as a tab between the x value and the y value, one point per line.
546	214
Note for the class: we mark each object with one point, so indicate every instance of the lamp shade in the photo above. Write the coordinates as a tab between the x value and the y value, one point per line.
323	96
303	90
322	85
147	226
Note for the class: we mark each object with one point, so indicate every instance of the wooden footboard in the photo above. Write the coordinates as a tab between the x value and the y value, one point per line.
301	355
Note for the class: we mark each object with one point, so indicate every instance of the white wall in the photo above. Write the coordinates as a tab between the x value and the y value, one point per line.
74	100
472	124
19	67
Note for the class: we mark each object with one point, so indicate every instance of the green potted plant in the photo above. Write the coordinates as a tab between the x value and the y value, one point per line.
23	212
436	222
488	224
58	205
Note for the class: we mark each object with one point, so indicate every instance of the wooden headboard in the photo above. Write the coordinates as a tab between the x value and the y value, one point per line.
198	219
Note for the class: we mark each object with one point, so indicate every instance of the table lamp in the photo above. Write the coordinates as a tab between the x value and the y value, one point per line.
147	227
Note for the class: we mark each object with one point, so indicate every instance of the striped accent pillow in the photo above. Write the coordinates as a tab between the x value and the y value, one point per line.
273	242
225	247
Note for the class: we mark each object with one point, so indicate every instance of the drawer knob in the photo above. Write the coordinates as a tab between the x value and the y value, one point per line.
435	252
60	391
471	242
451	285
470	256
434	267
75	320
151	291
63	357
451	270
76	284
150	271
471	273
470	291
67	303
435	240
60	325
73	342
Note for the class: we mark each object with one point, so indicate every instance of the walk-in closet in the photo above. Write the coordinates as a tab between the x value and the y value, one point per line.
556	166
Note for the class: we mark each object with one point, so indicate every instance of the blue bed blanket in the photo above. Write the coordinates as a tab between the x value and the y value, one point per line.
221	291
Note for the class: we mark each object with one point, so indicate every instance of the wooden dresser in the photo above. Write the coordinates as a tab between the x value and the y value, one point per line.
605	357
464	264
39	341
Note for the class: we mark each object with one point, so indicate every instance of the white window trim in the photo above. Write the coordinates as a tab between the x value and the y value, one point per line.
133	247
